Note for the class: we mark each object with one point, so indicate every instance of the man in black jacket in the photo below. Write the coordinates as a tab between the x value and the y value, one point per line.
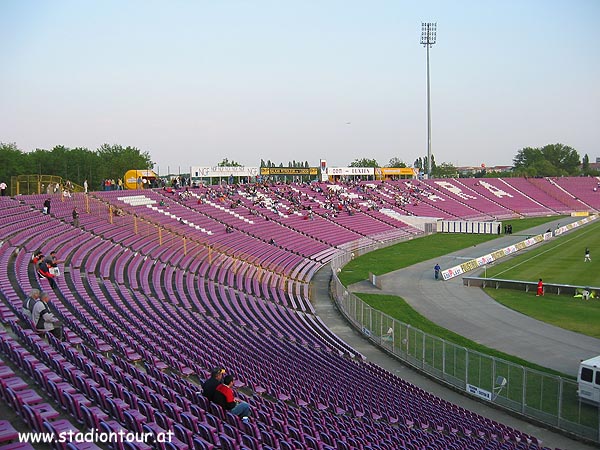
210	385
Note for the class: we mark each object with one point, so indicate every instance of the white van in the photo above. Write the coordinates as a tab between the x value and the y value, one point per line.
589	380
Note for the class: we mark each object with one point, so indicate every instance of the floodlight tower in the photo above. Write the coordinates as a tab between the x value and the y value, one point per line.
428	35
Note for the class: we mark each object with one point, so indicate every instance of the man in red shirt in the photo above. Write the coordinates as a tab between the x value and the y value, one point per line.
44	272
225	397
540	288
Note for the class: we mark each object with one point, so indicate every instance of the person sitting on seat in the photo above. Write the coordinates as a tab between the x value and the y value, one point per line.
52	260
210	385
29	302
43	319
37	257
225	397
44	272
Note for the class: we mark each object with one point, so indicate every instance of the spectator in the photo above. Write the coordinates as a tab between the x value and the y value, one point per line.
37	257
44	272
3	187
85	186
46	209
29	302
76	217
587	256
52	260
43	319
210	385
436	271
225	397
540	288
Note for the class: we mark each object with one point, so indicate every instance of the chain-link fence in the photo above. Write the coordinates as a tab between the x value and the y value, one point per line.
547	398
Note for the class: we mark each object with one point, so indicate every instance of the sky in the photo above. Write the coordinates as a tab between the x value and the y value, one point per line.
194	82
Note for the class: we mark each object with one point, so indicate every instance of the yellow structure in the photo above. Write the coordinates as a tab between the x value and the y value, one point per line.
385	173
139	179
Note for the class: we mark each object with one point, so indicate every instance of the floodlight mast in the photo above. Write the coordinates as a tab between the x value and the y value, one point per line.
428	36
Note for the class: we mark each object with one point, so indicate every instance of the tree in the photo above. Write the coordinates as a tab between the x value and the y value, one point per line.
13	162
364	162
585	164
77	164
396	162
116	160
444	170
418	164
227	163
421	164
548	161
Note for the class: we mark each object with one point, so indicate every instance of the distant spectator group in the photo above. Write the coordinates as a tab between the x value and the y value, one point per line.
111	185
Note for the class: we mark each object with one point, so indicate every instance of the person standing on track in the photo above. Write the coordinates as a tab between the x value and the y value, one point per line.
436	271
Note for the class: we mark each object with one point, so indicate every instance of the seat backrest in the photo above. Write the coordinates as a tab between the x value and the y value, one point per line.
284	445
183	434
216	410
208	434
201	444
32	419
190	422
227	443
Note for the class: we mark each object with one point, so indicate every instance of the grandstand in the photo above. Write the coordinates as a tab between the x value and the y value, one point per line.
156	291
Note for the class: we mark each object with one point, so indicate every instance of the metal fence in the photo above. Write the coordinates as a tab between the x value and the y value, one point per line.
547	398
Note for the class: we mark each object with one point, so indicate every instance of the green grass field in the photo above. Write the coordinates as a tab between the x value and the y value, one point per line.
560	310
558	261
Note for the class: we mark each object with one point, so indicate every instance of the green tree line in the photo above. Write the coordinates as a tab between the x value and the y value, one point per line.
74	164
552	160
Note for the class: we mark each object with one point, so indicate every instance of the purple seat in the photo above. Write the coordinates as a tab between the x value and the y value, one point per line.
7	432
82	446
59	427
201	444
18	446
92	417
